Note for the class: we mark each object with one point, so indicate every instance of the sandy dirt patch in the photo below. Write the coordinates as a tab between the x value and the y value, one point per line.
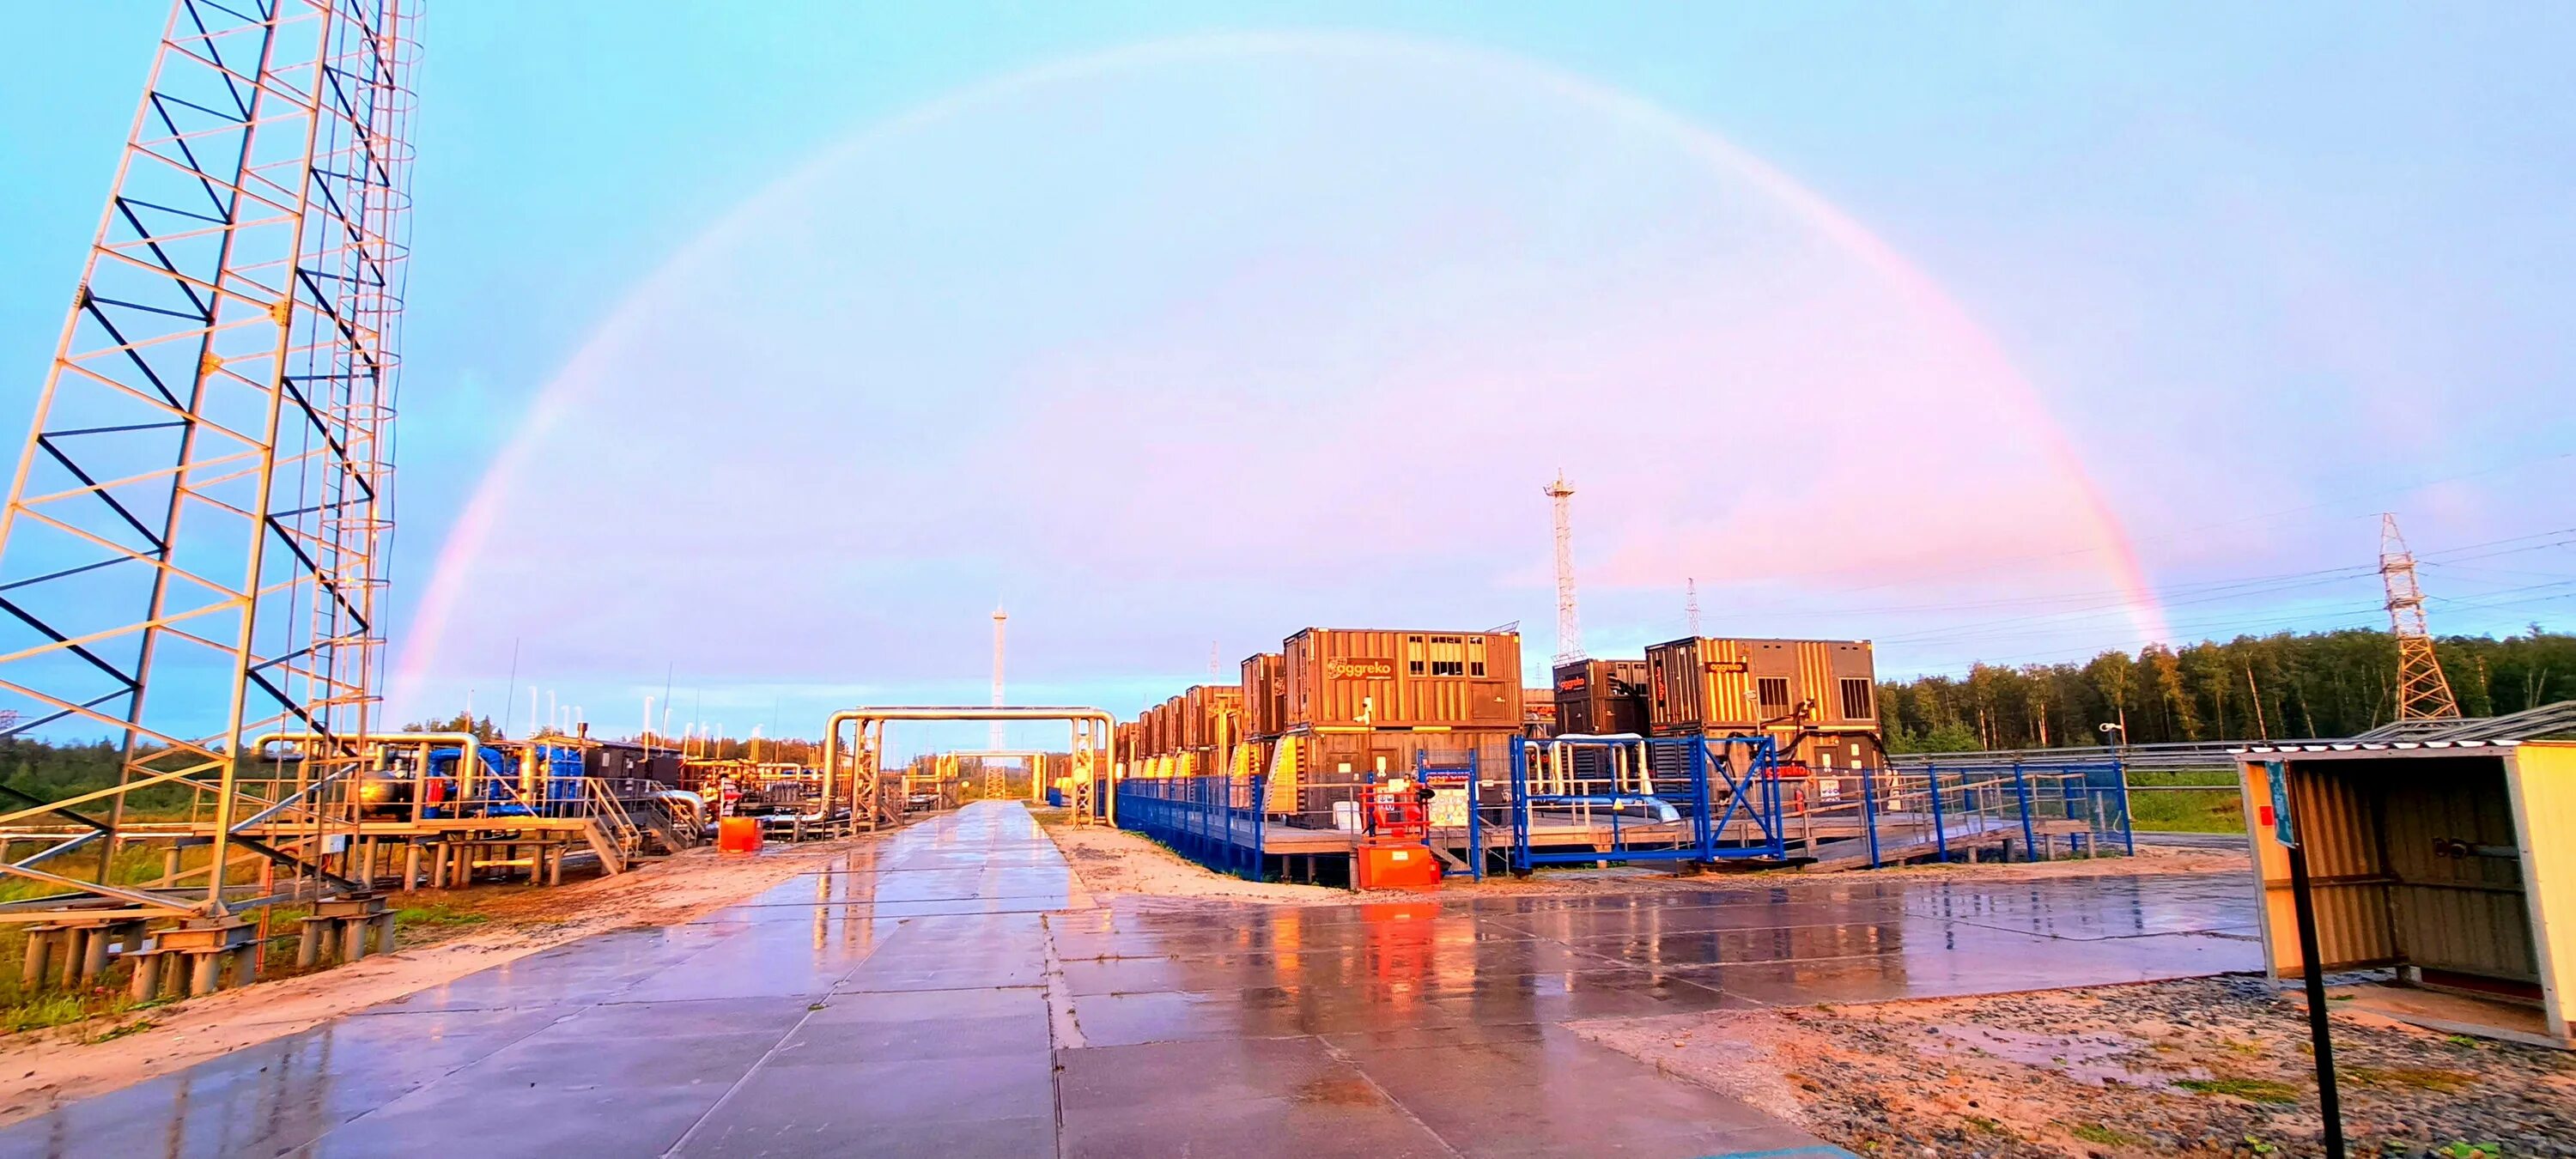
44	1069
2200	1067
1114	861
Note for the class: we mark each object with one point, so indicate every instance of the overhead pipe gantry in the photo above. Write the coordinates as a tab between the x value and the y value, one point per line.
1094	732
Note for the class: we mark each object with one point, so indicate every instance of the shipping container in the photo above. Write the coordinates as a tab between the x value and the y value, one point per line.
1601	697
1697	684
1265	695
1374	678
1318	778
1211	715
1167	727
1539	712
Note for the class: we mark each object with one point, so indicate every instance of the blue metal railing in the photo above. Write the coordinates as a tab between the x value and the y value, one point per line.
1941	810
1639	800
1212	820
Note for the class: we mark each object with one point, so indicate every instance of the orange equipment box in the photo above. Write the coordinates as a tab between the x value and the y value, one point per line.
1395	865
738	835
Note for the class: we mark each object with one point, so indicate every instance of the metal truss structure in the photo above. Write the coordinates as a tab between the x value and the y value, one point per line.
2423	693
192	557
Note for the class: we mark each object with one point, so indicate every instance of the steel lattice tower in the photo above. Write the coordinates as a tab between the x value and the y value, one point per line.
1569	626
2423	693
192	555
1690	603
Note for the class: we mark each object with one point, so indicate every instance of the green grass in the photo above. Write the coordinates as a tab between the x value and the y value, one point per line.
113	1033
42	1011
2220	810
2445	1082
2265	1091
439	914
2105	1136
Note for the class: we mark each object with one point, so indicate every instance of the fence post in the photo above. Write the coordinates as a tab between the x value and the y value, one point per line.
1520	814
1475	817
1703	800
1869	813
1770	760
2029	832
1260	819
1940	828
2128	822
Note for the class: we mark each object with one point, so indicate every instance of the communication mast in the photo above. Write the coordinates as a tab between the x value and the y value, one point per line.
1569	626
1690	603
2423	693
1000	618
192	554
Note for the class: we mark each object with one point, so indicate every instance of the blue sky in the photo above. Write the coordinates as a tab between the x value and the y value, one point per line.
2268	270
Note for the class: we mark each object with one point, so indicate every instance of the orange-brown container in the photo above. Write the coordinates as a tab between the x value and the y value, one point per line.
1699	684
738	835
1375	678
1211	714
1265	695
1539	711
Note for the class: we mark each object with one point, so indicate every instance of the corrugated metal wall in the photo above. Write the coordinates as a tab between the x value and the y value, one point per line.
1202	706
1700	684
2454	903
2383	895
1402	679
2543	791
1333	766
1265	695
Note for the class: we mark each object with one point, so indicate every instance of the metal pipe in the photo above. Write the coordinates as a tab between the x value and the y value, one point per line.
877	716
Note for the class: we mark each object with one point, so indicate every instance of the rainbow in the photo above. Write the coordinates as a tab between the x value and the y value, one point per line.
567	393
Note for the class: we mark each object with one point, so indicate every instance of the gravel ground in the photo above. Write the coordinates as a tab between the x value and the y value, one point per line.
2201	1067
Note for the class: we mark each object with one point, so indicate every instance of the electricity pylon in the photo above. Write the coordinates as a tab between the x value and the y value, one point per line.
192	555
2423	693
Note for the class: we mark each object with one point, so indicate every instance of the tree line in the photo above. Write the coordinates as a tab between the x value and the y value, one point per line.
2281	686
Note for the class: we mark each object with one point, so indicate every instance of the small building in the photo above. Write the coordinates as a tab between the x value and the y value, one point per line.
2450	860
1360	704
1601	697
1817	698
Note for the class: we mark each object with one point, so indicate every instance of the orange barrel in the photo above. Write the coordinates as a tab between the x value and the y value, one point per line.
738	835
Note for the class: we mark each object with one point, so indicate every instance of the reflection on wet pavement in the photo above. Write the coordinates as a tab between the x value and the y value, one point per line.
950	990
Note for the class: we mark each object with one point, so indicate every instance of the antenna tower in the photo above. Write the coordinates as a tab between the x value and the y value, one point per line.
1690	603
192	554
2423	693
1569	626
1000	618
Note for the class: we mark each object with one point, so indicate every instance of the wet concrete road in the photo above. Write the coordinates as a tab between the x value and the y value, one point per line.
948	992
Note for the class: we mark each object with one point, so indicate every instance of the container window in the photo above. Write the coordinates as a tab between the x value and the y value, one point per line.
1413	655
1856	697
1775	695
1448	656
